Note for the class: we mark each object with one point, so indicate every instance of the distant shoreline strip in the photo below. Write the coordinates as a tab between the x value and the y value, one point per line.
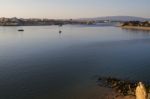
136	28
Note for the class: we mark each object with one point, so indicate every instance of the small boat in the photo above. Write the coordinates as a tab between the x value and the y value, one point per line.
21	30
60	32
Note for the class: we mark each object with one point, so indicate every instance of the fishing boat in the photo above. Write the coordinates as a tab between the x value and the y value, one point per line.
21	30
60	31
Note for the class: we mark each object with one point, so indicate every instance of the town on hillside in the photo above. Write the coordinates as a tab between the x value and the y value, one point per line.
101	21
35	22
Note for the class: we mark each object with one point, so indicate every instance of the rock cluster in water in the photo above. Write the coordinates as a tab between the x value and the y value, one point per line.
124	87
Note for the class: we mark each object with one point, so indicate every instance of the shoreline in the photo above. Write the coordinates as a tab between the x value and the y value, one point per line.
136	28
97	92
125	89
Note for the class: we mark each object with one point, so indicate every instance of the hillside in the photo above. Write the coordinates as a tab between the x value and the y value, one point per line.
118	18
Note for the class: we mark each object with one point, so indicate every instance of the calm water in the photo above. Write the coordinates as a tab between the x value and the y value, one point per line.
40	63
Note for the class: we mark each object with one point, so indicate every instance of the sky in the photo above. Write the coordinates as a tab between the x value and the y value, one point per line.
64	9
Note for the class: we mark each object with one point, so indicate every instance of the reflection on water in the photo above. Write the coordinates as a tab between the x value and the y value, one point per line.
40	63
60	36
147	32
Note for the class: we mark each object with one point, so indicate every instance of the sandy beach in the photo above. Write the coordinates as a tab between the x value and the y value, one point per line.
136	28
96	92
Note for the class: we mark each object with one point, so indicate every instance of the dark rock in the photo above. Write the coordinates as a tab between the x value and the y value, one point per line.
124	87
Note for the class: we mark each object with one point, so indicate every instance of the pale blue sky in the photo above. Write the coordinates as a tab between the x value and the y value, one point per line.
73	8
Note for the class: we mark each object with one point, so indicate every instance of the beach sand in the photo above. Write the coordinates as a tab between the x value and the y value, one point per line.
96	92
125	97
136	28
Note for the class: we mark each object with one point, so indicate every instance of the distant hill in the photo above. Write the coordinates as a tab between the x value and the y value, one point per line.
118	18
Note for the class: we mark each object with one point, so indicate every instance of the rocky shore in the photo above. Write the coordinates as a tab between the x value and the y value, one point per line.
137	25
124	89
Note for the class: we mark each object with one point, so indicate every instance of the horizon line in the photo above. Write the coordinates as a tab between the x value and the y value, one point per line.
74	18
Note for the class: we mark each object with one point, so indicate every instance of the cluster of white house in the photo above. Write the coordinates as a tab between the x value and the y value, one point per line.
9	21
